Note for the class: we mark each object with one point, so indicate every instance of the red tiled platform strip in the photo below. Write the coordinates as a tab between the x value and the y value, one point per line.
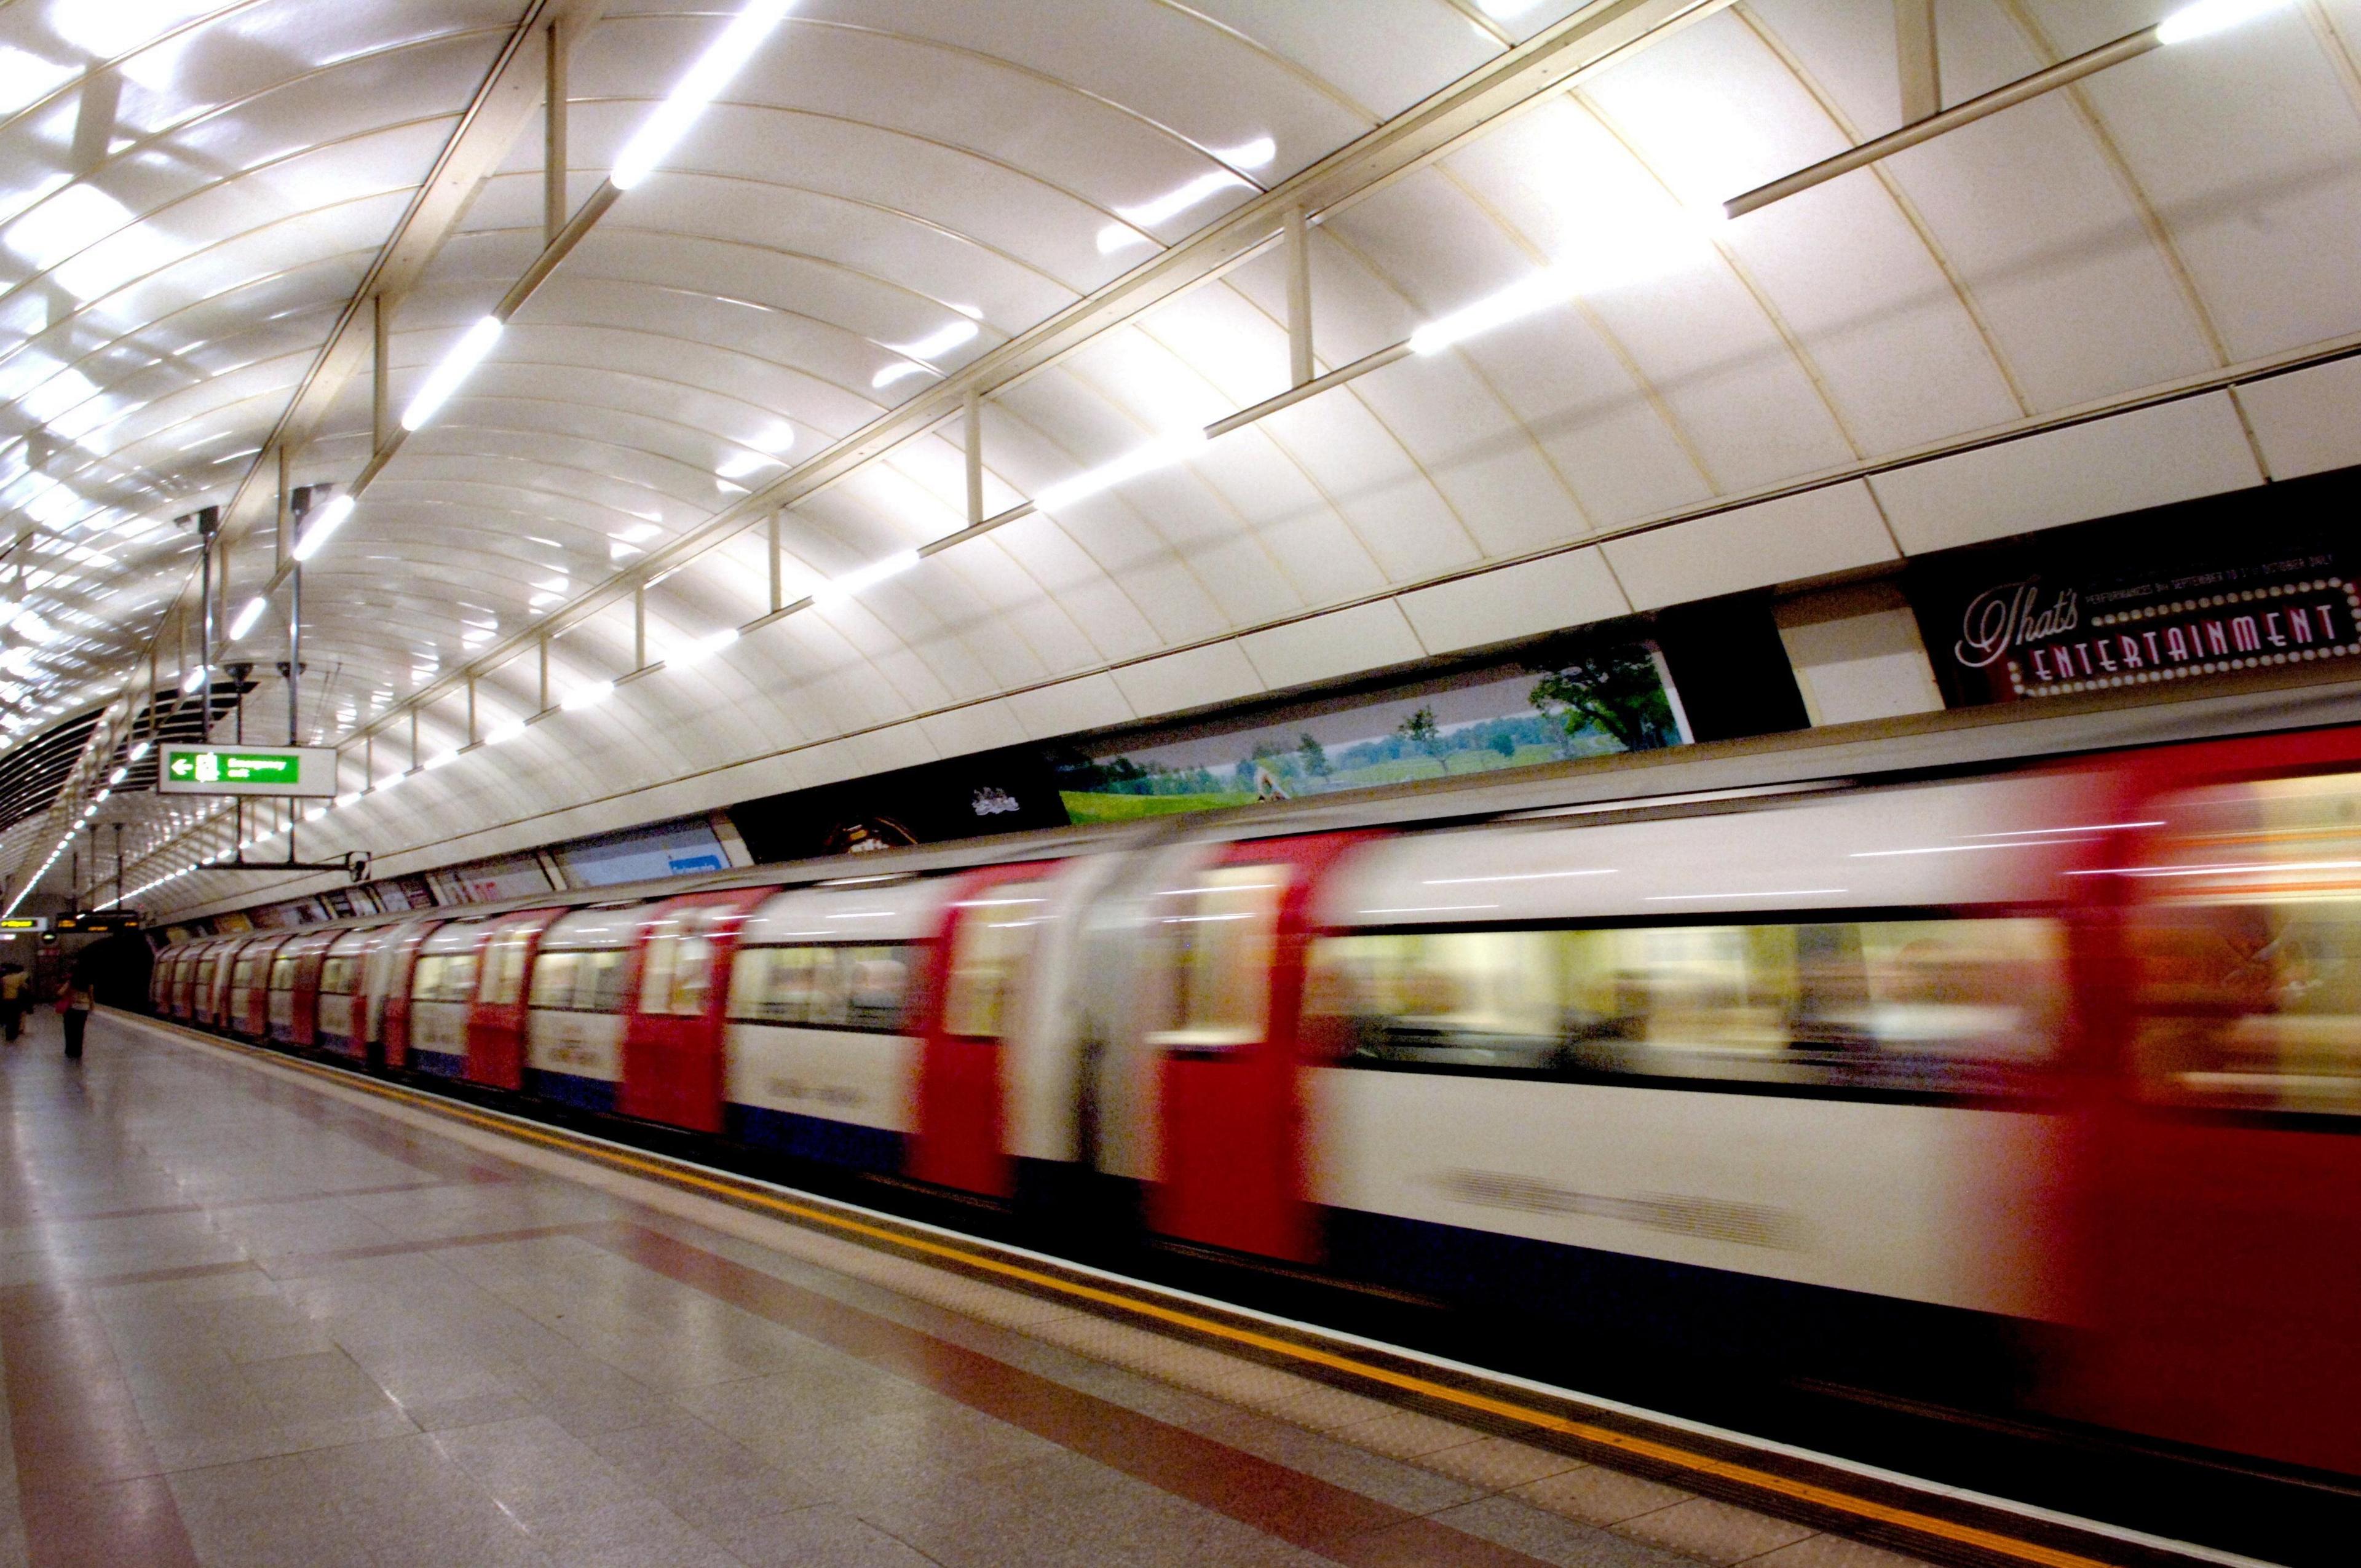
93	1492
1302	1511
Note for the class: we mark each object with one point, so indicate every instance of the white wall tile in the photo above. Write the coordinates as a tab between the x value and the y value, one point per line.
1342	642
1786	541
2310	421
1572	588
2146	459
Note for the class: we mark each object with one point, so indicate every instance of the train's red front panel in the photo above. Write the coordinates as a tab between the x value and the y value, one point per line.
399	966
1233	1163
961	1137
496	1023
675	1066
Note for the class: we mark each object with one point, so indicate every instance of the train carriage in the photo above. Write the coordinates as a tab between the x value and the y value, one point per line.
2057	1068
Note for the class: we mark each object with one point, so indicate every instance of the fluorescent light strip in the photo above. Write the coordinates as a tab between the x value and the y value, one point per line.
320	525
456	368
662	131
837	590
2209	16
247	617
1164	452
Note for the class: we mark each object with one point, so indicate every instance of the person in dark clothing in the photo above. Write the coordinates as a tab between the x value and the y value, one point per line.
75	1002
15	991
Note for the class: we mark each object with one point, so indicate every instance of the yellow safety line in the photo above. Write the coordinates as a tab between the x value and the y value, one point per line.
1605	1437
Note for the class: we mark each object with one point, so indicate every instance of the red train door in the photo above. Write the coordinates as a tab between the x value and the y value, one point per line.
399	963
674	1064
1225	999
251	999
496	1024
2223	1176
304	1031
971	1001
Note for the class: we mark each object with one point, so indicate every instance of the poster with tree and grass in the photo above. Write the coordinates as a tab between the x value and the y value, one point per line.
1582	703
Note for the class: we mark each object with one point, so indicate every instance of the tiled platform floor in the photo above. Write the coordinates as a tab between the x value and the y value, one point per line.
248	1323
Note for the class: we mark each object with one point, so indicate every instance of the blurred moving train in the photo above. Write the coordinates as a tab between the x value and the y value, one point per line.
2049	1075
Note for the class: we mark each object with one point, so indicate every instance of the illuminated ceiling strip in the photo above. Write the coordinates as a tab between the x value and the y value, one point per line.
2201	20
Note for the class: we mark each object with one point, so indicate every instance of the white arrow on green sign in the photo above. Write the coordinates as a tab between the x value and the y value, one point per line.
248	769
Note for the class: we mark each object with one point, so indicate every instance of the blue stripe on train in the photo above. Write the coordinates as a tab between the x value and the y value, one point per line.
570	1089
846	1144
1614	1311
441	1064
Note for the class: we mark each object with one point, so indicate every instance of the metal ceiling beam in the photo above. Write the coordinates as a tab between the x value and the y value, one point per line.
488	128
1589	40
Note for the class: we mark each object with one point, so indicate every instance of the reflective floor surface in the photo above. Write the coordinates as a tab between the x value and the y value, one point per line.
248	1324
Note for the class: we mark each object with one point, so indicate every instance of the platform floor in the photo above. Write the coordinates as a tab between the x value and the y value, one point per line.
248	1323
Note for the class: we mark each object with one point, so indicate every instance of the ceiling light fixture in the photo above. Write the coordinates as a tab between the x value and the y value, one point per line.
2209	16
456	368
323	523
837	590
587	697
704	648
247	617
1177	447
662	131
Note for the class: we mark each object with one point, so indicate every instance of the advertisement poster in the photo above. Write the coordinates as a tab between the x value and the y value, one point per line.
2023	629
1612	700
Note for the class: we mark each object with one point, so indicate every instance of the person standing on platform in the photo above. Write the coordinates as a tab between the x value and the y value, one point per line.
75	1002
13	984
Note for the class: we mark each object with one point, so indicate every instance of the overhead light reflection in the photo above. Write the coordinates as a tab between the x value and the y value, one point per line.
704	80
457	367
2209	16
1164	453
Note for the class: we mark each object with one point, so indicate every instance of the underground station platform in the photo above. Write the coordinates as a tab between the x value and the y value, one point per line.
257	1313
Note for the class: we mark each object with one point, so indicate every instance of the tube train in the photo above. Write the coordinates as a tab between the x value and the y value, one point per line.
2047	1072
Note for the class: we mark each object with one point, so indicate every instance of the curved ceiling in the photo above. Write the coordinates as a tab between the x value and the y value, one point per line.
894	201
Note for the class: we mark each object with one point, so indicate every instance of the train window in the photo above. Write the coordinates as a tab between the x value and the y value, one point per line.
444	977
988	954
581	981
840	988
339	974
1213	942
503	980
282	972
2247	942
1948	1006
241	974
553	976
678	979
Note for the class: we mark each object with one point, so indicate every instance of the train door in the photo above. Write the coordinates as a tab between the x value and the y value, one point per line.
674	1070
972	1000
188	987
2224	1178
295	987
573	1019
442	994
496	1028
213	983
341	1011
389	988
1222	998
249	987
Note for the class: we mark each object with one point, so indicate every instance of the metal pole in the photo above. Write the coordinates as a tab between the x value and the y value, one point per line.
1298	300
295	646
552	151
972	407
1920	64
2129	47
380	376
206	629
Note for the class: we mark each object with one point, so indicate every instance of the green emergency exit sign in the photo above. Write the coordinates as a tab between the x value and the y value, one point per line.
247	770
